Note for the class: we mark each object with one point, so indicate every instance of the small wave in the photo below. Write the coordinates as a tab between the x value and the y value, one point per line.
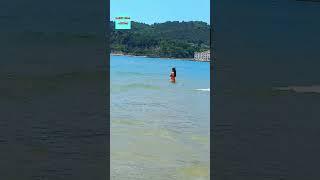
208	89
159	133
119	73
301	89
128	122
142	86
135	86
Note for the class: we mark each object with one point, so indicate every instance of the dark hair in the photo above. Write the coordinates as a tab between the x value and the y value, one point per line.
174	71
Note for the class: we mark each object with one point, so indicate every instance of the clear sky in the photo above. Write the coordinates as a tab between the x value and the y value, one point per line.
151	11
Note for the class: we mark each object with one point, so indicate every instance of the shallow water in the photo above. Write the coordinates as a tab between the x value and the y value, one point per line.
159	130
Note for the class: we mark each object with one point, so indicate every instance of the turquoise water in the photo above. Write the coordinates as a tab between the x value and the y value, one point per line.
159	130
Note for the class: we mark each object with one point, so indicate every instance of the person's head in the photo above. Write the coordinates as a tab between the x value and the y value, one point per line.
174	71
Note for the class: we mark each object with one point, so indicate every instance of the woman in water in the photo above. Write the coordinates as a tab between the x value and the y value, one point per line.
173	75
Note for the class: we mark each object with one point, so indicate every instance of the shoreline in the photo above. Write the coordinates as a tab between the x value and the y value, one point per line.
180	59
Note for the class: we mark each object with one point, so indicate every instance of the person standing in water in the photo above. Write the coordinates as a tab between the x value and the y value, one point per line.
173	75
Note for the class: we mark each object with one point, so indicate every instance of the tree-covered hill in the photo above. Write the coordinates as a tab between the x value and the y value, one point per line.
169	39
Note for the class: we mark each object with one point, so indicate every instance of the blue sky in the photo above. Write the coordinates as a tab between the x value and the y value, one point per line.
151	11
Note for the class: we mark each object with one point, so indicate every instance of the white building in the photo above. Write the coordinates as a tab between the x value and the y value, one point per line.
202	56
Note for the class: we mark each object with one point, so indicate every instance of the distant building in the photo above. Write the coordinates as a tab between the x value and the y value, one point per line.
202	56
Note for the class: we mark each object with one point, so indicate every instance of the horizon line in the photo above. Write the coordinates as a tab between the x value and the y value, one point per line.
167	21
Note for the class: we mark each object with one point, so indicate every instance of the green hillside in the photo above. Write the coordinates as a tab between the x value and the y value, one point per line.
170	39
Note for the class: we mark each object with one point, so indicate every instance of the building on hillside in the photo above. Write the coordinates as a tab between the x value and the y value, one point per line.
202	56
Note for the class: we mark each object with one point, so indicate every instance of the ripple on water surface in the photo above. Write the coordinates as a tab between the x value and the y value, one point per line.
159	130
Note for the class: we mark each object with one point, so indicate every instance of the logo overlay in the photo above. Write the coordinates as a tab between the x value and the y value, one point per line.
123	22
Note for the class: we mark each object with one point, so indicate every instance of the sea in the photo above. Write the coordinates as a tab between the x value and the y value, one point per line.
159	129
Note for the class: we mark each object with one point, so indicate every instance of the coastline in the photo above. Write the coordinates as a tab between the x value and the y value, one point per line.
165	58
